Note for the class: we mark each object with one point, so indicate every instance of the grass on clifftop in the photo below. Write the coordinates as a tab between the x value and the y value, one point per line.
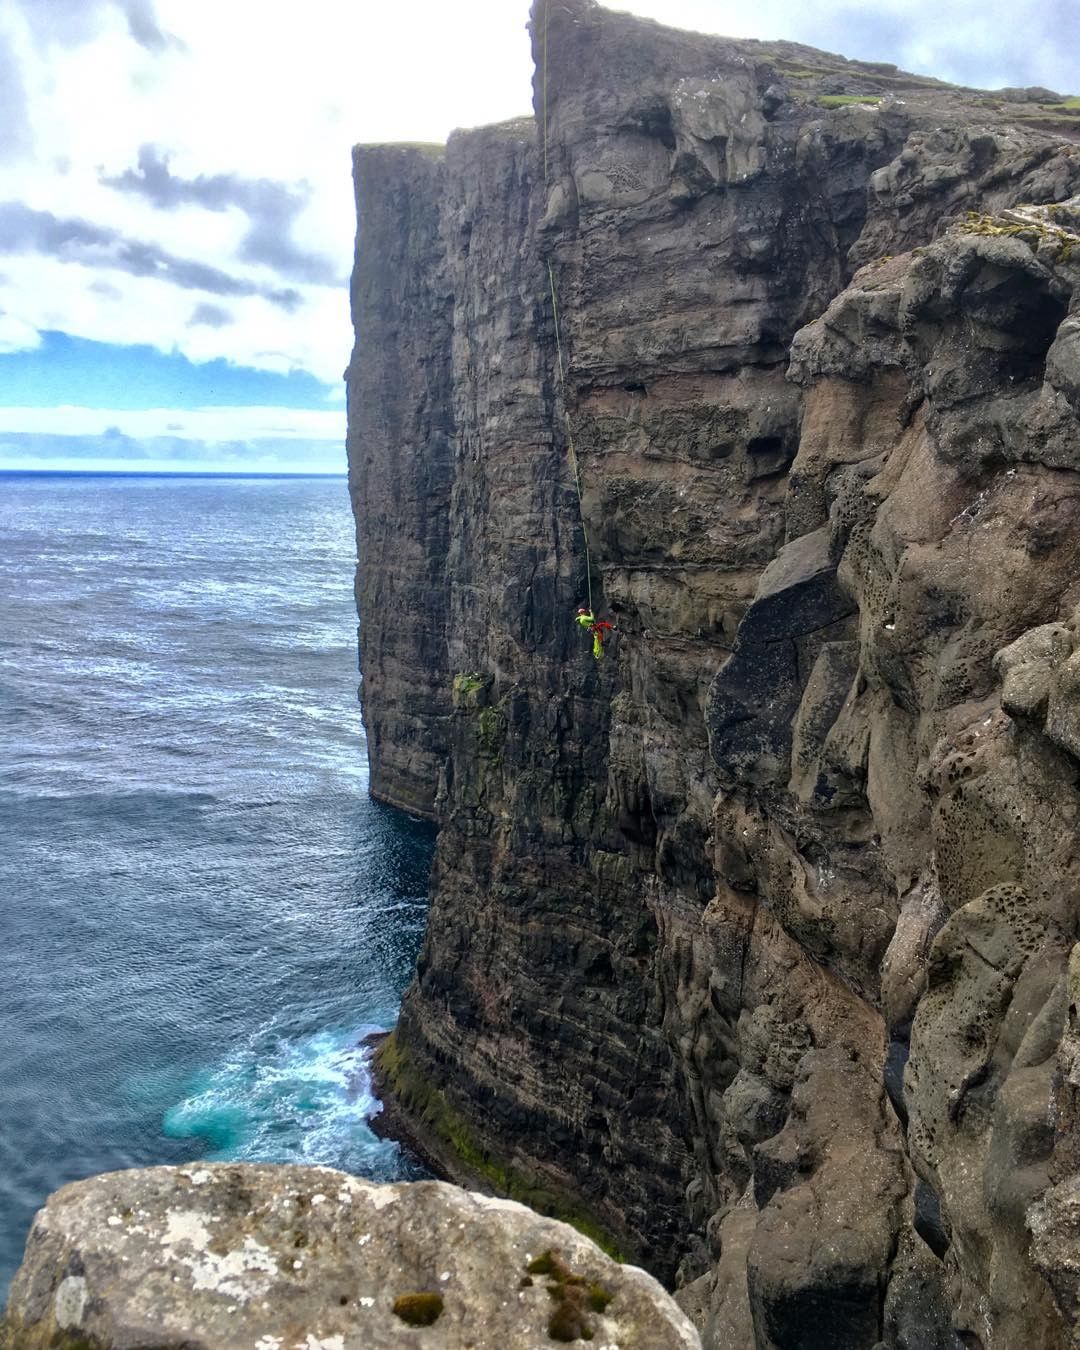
847	100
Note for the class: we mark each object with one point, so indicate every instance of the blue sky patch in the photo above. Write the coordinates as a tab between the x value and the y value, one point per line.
70	370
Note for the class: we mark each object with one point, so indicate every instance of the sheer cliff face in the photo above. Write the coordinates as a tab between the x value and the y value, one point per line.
401	469
750	945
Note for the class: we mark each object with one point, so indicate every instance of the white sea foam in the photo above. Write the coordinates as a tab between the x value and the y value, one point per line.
304	1099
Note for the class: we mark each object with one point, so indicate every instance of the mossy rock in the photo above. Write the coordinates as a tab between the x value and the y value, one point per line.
574	1296
471	690
430	149
212	1262
491	730
427	1105
1031	232
418	1310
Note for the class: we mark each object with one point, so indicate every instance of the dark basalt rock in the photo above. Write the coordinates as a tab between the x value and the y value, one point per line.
927	1221
756	694
692	905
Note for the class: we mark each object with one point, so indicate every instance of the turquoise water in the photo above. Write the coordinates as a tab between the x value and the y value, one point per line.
201	911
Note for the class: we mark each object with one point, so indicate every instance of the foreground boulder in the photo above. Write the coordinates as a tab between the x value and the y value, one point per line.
211	1257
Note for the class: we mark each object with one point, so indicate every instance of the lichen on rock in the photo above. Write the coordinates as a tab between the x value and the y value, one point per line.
236	1256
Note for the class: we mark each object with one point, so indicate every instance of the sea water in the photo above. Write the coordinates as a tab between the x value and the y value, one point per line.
201	911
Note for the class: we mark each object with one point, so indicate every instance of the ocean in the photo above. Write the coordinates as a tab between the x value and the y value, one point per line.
201	911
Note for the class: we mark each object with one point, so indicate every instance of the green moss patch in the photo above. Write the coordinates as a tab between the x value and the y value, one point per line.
573	1295
1031	232
470	690
491	730
422	1099
465	682
418	1310
1052	117
848	100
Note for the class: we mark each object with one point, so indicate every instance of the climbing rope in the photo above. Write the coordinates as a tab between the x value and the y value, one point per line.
571	449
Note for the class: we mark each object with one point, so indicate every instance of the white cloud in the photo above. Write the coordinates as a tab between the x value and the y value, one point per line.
16	335
259	90
41	294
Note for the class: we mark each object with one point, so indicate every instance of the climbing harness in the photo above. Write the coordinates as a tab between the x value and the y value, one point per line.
585	617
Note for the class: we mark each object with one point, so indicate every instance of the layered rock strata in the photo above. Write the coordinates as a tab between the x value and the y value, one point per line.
749	946
399	395
230	1257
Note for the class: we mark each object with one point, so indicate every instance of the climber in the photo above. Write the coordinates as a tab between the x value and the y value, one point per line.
599	628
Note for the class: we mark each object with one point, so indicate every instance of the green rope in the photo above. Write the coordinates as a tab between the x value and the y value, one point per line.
558	340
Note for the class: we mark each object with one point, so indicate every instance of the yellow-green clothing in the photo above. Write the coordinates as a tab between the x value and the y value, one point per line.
588	622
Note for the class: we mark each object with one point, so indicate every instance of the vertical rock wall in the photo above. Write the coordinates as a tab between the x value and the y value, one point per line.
694	906
401	436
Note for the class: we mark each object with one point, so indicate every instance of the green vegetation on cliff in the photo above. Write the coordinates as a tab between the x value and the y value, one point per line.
428	1107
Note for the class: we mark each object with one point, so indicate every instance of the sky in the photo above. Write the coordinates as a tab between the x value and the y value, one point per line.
176	216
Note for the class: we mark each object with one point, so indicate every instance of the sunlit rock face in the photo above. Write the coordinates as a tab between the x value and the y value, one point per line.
749	945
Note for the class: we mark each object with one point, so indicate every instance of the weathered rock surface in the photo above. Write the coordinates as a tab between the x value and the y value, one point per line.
749	947
231	1257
